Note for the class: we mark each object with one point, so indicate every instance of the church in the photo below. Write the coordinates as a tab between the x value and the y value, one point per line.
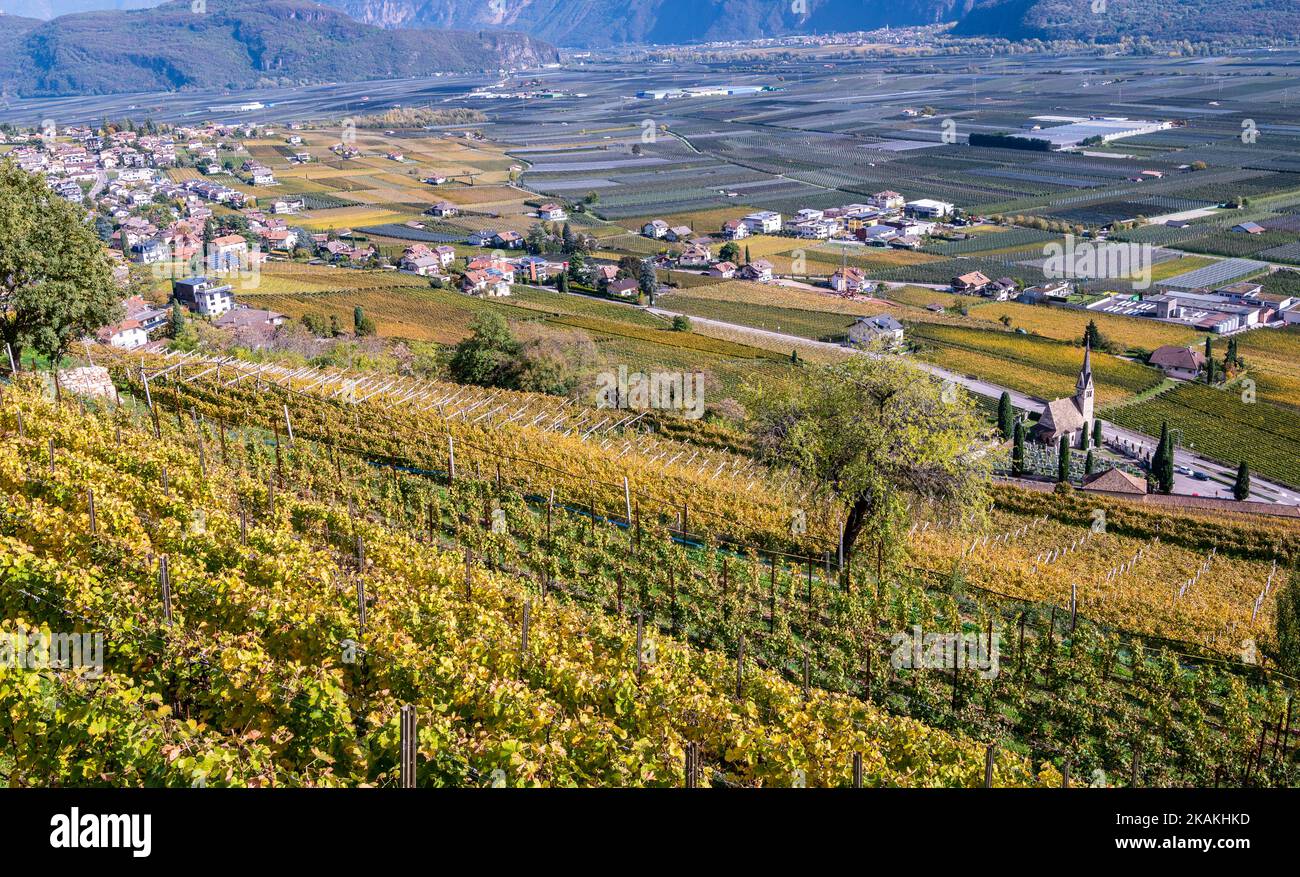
1072	416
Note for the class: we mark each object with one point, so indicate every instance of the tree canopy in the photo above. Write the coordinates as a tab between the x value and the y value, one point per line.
875	435
56	284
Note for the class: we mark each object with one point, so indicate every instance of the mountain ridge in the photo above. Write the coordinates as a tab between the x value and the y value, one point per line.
238	43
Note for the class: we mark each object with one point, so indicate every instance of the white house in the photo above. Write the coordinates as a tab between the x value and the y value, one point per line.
882	327
927	208
763	222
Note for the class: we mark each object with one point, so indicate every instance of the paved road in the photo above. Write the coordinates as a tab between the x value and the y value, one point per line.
1141	445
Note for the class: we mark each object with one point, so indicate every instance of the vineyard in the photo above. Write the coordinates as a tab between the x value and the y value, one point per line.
1226	424
264	631
1040	366
572	545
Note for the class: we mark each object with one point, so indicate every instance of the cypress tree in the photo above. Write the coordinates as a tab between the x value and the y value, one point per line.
1209	360
1063	461
1097	438
1006	415
1241	489
1088	464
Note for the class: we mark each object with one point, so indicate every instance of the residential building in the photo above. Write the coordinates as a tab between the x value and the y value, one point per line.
882	328
763	222
1183	363
204	296
927	208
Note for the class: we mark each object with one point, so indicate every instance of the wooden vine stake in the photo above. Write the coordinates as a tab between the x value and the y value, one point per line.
523	632
740	668
451	458
988	765
361	606
627	500
90	507
408	746
640	637
165	586
857	770
51	456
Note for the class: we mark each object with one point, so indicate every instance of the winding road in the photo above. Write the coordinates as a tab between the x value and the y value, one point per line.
1220	476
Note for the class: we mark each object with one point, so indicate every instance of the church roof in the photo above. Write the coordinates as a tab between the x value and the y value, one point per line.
1115	481
1061	417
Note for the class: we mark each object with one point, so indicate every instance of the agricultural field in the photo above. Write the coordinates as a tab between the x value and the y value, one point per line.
1221	425
1068	324
1038	366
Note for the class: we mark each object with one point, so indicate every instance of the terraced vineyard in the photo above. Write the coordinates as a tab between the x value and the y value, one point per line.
585	578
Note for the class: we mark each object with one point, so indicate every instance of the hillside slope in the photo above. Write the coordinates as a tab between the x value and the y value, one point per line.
239	43
611	22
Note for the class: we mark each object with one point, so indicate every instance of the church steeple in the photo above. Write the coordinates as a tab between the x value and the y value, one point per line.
1085	373
1083	388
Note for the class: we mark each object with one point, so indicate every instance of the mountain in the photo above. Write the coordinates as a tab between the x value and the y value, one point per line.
597	23
51	8
594	23
238	43
1194	20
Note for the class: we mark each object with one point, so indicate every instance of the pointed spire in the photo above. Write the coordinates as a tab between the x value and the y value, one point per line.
1085	373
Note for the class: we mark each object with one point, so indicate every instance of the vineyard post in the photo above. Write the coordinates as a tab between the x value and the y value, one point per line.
523	633
740	668
22	434
620	591
360	554
288	424
13	366
868	673
243	524
627	500
451	458
1065	774
1020	649
51	456
408	746
640	636
166	483
279	464
469	585
807	677
90	505
1074	610
857	770
117	434
771	616
270	494
165	587
989	752
361	605
221	425
1286	737
672	597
